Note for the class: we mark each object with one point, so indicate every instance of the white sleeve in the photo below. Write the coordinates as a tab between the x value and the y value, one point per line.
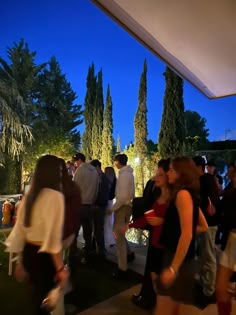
53	210
16	240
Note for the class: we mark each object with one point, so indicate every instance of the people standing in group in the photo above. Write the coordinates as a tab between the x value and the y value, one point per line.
209	196
109	219
99	209
227	264
38	232
176	282
156	193
125	192
86	177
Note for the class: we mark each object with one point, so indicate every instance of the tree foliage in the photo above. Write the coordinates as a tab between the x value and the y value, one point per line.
13	133
140	126
196	131
56	112
36	108
98	120
107	133
172	133
88	112
140	121
118	147
16	87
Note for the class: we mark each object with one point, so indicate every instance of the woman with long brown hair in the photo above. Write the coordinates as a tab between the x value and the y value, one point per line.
158	197
176	282
37	234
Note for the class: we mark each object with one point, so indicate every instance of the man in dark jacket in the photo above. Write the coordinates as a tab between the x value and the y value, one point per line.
100	206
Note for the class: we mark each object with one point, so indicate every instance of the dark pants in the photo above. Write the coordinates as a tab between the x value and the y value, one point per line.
98	225
153	264
86	221
41	275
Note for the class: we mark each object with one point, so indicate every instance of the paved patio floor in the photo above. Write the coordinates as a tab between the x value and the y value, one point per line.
121	303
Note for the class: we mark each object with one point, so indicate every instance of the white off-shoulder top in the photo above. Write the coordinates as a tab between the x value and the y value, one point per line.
47	220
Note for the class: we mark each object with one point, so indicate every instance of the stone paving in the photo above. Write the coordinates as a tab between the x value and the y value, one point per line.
121	304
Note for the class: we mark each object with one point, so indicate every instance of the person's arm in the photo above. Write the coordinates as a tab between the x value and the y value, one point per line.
53	227
61	270
15	244
184	204
202	225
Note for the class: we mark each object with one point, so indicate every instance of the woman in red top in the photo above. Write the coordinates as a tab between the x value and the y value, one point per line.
147	296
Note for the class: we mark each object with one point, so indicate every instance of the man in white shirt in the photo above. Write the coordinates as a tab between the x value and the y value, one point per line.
86	177
122	210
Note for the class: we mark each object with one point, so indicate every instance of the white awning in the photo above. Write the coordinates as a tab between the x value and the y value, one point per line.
196	38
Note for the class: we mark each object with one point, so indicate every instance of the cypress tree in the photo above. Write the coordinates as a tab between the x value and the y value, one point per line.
140	121
118	145
172	132
140	127
88	112
98	119
107	138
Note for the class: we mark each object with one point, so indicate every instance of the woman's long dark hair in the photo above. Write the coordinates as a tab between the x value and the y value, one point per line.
110	173
69	187
188	177
47	174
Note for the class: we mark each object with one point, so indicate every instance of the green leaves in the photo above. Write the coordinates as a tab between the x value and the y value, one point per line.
172	133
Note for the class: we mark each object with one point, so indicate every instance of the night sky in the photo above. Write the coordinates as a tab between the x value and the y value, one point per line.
77	33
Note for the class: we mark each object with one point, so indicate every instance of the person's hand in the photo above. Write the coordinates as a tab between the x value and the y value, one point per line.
154	221
168	276
62	277
19	273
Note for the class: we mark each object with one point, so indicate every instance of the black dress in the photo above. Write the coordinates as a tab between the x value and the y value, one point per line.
182	288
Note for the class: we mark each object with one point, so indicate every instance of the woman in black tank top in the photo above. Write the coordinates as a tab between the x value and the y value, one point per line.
176	281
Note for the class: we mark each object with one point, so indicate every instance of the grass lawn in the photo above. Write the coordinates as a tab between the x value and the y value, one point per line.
92	283
13	295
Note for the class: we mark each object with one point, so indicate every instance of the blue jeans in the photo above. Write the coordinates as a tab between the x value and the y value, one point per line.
207	260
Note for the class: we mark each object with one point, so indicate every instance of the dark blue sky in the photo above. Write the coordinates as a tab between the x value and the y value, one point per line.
78	33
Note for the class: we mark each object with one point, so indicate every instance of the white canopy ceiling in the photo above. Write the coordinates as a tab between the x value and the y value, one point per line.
196	38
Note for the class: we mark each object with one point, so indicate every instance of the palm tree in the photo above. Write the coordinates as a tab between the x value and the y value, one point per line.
17	80
13	133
